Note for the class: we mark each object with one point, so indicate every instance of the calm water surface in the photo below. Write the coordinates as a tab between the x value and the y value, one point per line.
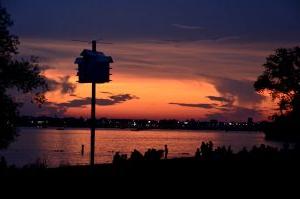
64	147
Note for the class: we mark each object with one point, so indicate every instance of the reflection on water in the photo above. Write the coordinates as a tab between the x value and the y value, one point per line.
64	147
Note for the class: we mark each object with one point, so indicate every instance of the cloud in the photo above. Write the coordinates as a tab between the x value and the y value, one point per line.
221	103
225	110
46	109
205	38
63	85
220	99
59	109
236	97
187	27
227	38
241	89
66	86
108	93
123	97
112	100
45	67
203	106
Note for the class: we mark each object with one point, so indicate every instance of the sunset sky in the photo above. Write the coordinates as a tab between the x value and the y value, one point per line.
177	59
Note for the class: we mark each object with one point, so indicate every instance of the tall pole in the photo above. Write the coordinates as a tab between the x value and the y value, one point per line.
93	114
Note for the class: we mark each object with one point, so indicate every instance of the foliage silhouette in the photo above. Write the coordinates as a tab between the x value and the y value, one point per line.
281	79
22	75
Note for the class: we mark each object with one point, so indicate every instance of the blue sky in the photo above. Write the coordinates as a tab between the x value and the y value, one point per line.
266	20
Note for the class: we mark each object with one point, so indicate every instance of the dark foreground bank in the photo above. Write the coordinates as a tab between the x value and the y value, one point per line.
186	167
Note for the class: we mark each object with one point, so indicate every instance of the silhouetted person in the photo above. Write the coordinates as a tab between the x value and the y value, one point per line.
117	158
3	163
82	150
153	154
286	147
210	146
166	151
136	156
198	154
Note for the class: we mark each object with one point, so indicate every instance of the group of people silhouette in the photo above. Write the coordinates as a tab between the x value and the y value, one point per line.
207	152
150	154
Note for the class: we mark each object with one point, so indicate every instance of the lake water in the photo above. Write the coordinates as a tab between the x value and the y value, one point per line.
63	147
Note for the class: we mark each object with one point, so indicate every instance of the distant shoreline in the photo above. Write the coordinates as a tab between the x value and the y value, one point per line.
140	130
141	124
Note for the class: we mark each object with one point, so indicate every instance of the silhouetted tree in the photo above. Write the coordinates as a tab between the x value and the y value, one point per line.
22	75
281	79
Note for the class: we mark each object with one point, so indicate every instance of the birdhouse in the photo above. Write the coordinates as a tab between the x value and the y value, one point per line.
93	67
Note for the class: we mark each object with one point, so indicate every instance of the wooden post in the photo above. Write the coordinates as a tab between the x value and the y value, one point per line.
93	114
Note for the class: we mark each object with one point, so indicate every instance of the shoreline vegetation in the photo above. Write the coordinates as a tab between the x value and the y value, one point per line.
154	163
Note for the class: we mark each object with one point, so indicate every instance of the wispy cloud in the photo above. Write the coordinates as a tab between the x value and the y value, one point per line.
187	27
108	93
227	38
203	106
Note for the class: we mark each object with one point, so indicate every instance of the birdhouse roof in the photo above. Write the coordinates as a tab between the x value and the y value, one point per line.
79	60
98	56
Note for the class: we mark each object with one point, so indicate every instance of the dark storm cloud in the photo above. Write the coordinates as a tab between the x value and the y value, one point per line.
226	109
242	89
124	19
